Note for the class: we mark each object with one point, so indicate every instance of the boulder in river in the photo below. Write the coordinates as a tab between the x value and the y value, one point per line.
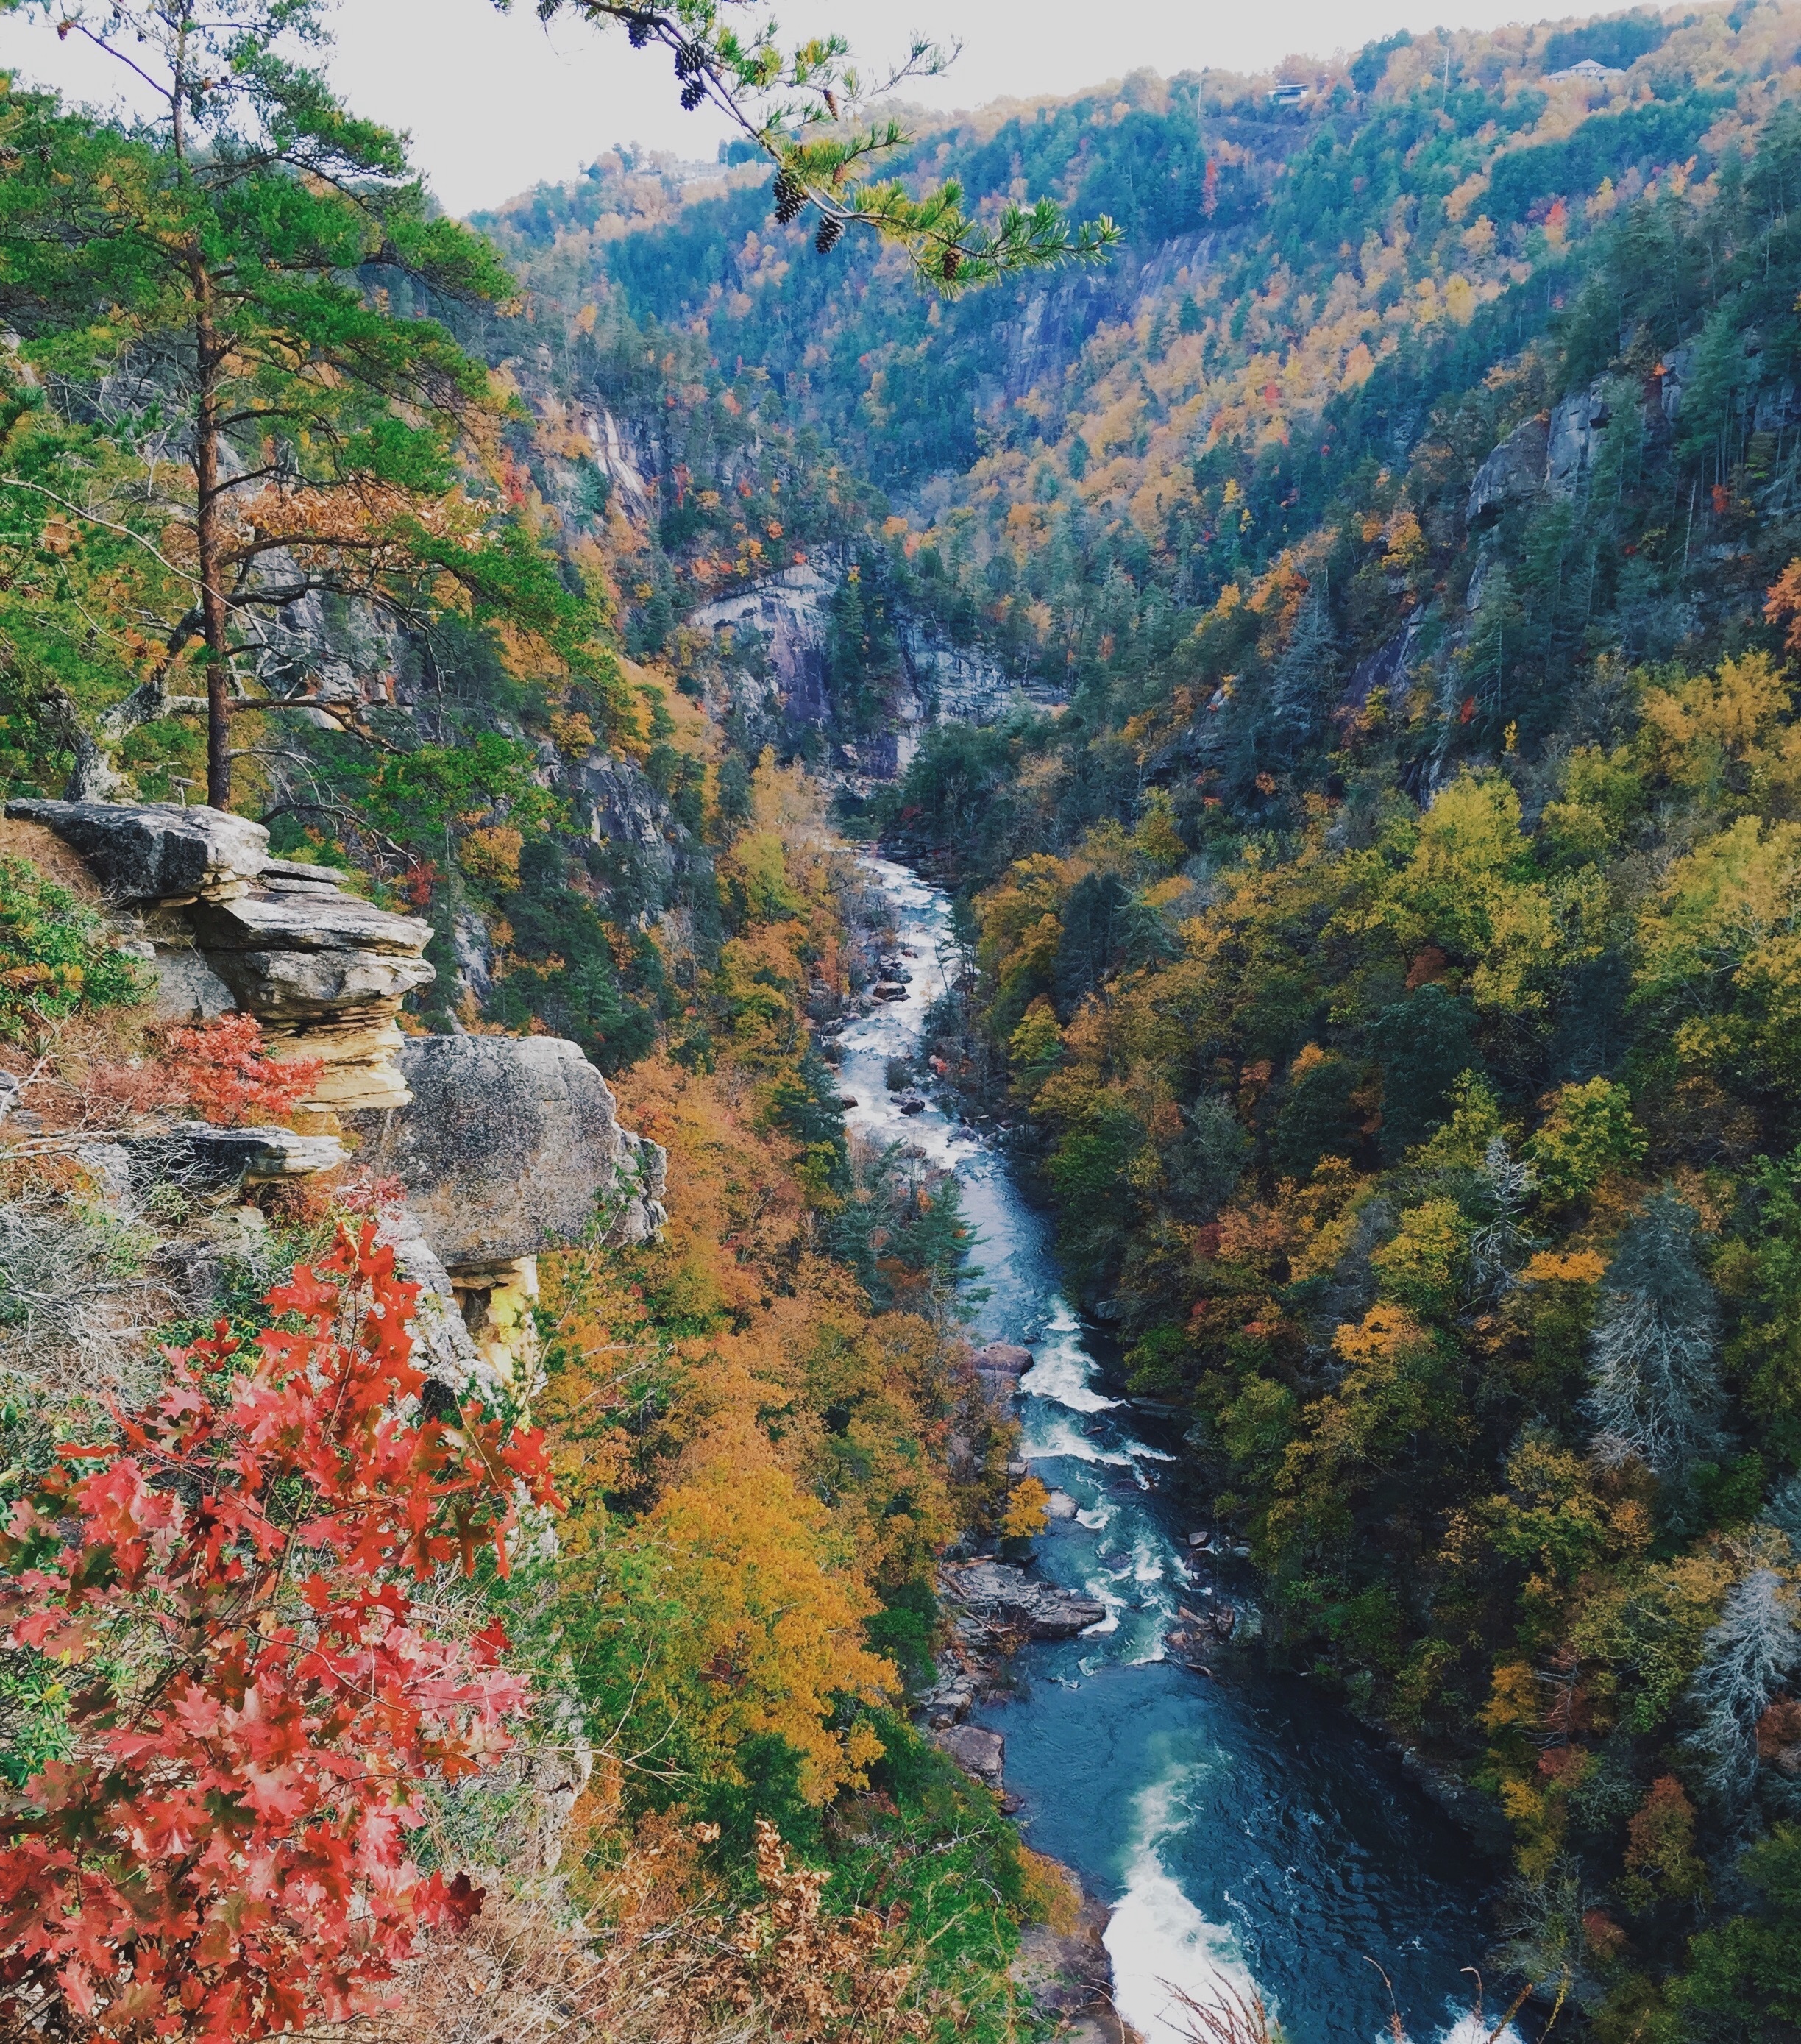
999	1368
1009	1596
1007	1358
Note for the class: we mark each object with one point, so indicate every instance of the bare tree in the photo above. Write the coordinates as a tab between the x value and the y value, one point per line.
1654	1388
1748	1658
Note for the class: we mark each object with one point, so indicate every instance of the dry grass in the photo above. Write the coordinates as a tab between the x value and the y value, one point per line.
667	1963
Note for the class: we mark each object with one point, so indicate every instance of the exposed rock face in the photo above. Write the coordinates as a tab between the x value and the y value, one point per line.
1011	1597
227	926
445	1348
964	682
978	1751
1513	473
156	851
510	1146
193	1152
326	974
1575	425
1546	457
787	610
1068	1978
623	808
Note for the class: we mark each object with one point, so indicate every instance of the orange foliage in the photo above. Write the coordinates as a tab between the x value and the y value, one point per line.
225	1071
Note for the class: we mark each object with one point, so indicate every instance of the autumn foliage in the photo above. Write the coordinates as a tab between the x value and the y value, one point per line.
220	1852
225	1070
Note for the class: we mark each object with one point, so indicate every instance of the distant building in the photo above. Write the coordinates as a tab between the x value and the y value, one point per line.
1288	95
1588	70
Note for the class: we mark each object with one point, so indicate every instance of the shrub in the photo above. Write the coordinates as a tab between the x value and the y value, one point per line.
221	1852
226	1072
56	956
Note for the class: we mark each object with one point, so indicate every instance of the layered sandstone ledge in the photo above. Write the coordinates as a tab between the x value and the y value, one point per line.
505	1148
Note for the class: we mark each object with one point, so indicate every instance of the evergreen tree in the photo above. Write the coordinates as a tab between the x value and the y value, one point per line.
216	274
1304	673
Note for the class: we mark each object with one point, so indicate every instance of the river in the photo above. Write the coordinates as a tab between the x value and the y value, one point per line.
1241	1830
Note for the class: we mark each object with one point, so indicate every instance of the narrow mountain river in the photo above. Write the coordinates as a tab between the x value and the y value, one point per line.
1240	1829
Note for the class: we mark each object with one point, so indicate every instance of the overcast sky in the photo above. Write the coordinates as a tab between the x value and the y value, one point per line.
495	102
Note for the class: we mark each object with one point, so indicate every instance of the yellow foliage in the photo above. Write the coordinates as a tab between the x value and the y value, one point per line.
1722	735
1027	1512
1576	1267
492	854
763	1624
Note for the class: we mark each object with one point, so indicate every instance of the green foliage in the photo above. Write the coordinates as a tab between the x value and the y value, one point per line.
1587	1131
57	957
797	106
1744	1977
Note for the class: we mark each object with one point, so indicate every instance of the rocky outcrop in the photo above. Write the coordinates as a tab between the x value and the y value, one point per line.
1546	457
1068	1978
510	1146
1000	1366
978	1751
1514	474
787	612
325	973
226	926
1570	447
151	852
964	682
195	1155
1008	1597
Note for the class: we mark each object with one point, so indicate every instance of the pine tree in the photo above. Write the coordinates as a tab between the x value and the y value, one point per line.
1654	1384
1784	1512
1749	1657
1304	672
218	270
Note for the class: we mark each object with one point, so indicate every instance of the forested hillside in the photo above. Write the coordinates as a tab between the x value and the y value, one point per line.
1377	839
1385	950
573	1687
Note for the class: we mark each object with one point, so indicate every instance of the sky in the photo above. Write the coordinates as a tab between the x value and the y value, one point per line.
496	102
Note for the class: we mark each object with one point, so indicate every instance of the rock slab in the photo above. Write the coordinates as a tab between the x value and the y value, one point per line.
155	851
1009	1596
978	1751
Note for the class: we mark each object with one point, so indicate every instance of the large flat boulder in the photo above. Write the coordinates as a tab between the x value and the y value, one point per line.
978	1751
1010	1598
155	851
511	1145
317	919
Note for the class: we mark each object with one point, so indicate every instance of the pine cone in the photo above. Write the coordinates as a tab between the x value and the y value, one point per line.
790	197
826	238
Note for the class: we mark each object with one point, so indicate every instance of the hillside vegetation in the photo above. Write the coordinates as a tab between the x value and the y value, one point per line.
1387	949
1385	953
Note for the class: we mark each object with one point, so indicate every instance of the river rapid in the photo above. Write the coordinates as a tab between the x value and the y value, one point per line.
1242	1830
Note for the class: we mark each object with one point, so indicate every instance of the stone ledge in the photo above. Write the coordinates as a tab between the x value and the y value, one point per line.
154	851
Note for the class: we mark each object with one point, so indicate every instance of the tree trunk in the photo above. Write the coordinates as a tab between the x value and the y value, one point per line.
215	620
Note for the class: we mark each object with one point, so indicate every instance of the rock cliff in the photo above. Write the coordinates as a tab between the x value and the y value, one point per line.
504	1147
